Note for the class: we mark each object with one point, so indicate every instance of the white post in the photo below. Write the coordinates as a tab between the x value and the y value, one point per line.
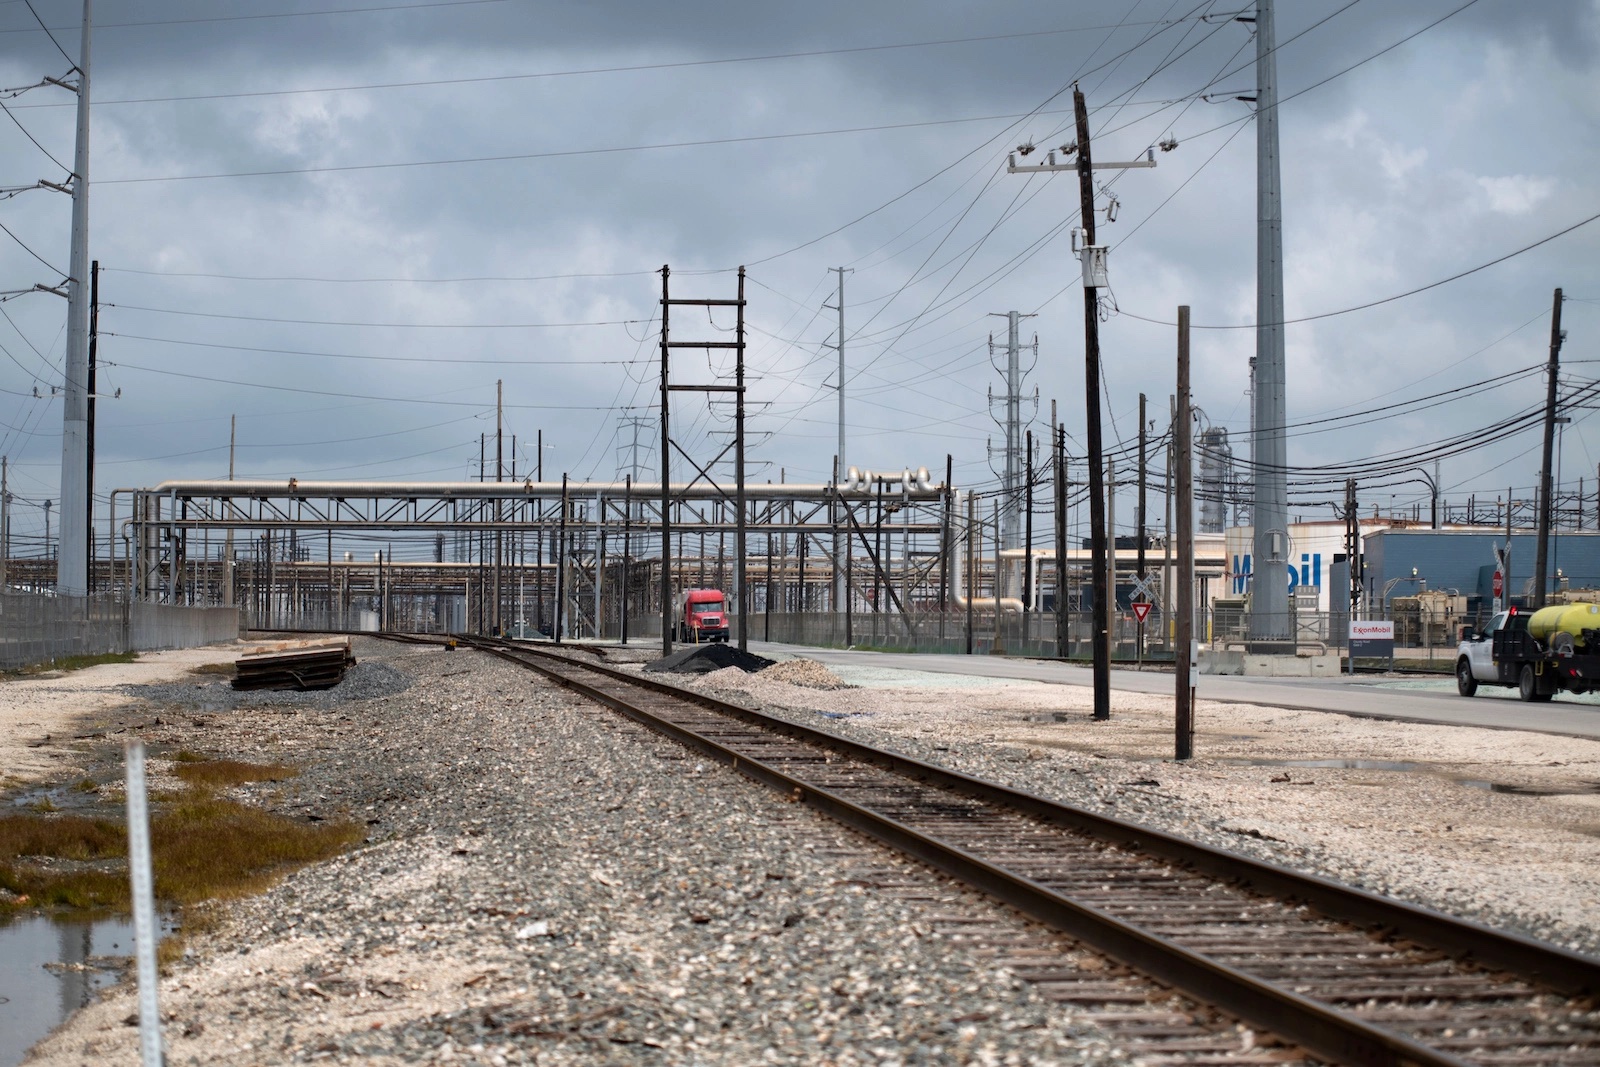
144	911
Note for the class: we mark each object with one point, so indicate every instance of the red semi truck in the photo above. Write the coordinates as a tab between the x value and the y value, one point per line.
700	615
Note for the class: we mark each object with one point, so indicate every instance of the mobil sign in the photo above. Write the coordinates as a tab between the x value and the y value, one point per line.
1304	567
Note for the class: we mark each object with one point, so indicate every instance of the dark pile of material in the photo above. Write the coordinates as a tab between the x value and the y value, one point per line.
703	659
321	667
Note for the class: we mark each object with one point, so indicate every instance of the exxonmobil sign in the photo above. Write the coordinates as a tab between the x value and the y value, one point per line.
1371	638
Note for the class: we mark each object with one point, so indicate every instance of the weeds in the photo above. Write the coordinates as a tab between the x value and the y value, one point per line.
67	663
202	846
221	773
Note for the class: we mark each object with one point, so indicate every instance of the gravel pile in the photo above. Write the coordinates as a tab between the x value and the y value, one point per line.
367	680
807	673
547	883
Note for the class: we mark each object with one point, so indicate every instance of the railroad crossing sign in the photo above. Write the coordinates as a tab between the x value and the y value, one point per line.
1145	588
1141	610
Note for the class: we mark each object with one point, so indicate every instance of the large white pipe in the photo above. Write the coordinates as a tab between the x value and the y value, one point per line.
508	490
1010	605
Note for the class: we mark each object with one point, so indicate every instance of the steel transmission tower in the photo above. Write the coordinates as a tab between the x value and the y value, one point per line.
631	447
72	574
1271	627
1011	476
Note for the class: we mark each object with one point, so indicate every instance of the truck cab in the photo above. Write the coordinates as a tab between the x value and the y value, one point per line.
702	615
1475	656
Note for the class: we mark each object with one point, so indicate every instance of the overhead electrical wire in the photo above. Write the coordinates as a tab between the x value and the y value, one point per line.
463	360
377	325
1384	300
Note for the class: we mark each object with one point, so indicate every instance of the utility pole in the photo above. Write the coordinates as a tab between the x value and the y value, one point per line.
1541	565
1091	364
840	471
499	476
227	545
1352	551
1058	447
1270	628
88	466
5	518
1110	576
1094	277
1027	535
1142	531
1188	648
72	562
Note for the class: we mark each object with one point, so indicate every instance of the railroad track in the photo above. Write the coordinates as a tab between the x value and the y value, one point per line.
1348	976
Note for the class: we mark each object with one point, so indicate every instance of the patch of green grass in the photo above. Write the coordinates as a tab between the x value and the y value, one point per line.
43	804
68	663
62	837
210	847
203	847
220	773
86	785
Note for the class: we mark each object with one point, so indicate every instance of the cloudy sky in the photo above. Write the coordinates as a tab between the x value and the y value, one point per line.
344	220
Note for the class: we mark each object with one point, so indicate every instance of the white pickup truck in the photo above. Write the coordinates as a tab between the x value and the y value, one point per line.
1555	649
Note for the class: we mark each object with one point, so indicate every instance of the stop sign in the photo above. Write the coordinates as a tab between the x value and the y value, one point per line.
1498	584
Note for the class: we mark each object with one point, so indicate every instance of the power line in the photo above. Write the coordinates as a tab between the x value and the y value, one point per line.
381	359
383	325
1385	300
47	33
252	18
575	152
576	72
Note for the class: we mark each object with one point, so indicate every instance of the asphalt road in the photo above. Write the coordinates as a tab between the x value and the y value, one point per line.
1364	695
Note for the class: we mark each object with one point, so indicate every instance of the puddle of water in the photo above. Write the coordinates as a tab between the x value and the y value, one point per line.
1582	789
34	997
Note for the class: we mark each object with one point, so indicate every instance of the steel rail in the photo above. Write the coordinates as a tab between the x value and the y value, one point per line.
1560	969
1318	1027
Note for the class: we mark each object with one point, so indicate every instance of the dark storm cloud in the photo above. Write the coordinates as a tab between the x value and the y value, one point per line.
1387	181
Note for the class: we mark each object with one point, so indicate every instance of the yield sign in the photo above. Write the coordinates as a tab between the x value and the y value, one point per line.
1141	610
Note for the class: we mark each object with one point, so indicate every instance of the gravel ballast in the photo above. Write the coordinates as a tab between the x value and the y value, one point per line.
548	883
1495	825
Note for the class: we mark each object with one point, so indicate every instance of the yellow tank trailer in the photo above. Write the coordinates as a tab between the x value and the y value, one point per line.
1571	619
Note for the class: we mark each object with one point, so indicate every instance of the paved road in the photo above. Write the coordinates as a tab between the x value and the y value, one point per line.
1492	707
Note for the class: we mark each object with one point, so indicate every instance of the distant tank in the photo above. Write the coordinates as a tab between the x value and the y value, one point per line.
1571	619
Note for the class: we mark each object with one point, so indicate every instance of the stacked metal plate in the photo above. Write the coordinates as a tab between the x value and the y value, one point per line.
318	667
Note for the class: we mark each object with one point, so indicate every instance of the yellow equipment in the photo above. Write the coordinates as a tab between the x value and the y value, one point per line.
1564	618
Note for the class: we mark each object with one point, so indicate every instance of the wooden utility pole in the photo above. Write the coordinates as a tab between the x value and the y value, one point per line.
1093	279
1027	533
1541	563
1058	447
1187	646
1143	530
1091	377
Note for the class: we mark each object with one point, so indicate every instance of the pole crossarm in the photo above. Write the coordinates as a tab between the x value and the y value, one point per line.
1050	166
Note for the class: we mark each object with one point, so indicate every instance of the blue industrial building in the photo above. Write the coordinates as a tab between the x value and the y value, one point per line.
1462	561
